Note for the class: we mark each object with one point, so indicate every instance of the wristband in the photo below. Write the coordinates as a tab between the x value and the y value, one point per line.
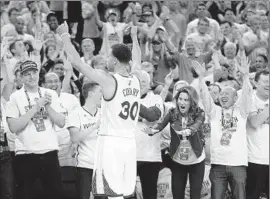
66	33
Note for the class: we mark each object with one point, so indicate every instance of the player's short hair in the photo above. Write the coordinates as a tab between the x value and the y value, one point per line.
122	52
88	87
260	73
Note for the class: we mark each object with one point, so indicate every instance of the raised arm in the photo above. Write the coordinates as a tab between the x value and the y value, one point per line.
245	99
105	80
136	50
207	100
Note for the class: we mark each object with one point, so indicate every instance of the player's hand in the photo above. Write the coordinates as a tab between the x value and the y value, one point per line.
62	29
150	131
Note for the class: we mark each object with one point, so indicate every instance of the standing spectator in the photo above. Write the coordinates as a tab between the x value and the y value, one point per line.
228	127
52	22
87	48
113	30
148	148
84	127
21	31
13	13
31	115
200	38
88	28
57	7
258	139
254	40
186	147
66	153
7	181
180	21
201	12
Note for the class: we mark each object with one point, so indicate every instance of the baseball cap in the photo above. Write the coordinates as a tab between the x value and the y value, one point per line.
161	28
110	12
28	65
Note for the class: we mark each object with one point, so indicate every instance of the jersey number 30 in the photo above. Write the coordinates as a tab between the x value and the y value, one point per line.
129	111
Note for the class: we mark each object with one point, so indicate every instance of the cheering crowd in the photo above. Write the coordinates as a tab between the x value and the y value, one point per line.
203	111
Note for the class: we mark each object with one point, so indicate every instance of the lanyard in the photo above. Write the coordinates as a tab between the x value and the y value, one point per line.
28	98
223	119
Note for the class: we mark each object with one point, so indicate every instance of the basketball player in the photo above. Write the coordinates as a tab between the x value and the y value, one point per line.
115	161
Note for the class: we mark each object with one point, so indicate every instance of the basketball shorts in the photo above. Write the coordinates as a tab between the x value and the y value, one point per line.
114	167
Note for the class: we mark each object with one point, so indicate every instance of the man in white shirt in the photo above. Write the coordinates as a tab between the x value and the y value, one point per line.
148	147
214	28
7	181
32	113
200	38
255	41
258	138
83	126
228	136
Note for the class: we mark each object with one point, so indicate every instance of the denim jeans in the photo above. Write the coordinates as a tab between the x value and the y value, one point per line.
221	176
7	183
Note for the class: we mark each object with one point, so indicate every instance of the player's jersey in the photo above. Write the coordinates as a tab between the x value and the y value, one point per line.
120	114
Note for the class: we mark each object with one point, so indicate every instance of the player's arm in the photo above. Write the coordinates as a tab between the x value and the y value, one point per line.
151	114
105	80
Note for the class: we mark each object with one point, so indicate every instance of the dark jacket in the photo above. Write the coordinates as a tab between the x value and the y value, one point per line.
195	124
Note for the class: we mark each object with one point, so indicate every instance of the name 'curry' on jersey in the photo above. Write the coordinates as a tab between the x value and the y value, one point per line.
120	114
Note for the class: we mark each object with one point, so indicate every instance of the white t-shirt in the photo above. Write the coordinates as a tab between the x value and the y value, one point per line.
235	154
250	38
85	121
148	147
214	28
112	35
199	40
258	139
66	148
30	140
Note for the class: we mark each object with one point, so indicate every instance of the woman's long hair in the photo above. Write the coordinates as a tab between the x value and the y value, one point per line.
193	98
